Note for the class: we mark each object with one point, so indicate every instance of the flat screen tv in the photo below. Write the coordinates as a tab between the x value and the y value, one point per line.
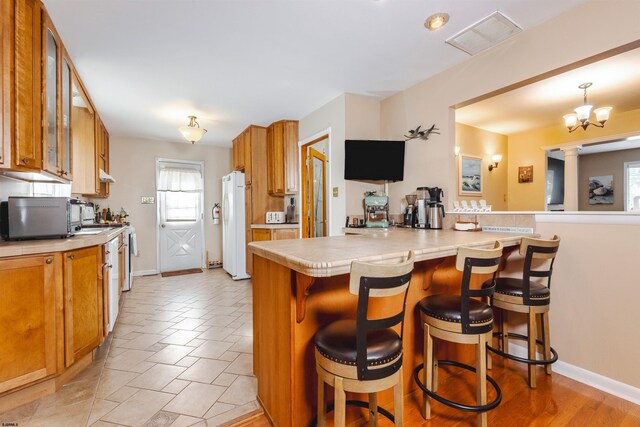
374	160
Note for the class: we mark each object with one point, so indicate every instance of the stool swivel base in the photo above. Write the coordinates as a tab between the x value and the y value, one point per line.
505	354
469	408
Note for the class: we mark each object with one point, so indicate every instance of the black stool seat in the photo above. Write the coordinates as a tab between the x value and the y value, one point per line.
337	342
515	287
448	309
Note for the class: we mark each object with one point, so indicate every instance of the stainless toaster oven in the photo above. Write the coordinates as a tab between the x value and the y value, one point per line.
24	218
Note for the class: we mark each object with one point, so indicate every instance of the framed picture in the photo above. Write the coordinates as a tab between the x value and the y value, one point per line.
525	173
470	175
601	190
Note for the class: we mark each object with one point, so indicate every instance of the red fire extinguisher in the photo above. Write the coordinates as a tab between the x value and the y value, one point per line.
215	213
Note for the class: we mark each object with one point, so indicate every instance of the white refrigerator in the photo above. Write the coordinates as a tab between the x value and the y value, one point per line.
234	259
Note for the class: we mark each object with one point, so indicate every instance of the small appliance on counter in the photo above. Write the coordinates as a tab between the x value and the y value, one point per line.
23	218
435	208
88	215
275	218
376	210
422	212
291	211
411	211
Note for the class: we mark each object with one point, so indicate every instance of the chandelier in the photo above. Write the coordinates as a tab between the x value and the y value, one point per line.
580	119
192	132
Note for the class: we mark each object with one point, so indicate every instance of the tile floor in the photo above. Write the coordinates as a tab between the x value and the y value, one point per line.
181	355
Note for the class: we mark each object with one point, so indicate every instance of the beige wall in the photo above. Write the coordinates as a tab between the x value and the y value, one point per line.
482	143
133	165
602	164
594	296
362	121
525	149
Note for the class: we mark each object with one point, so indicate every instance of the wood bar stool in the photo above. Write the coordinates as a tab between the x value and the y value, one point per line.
464	320
365	355
531	298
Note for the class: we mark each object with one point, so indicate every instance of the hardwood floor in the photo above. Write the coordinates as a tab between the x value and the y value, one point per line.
557	401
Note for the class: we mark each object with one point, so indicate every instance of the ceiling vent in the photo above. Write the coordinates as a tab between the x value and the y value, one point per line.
484	34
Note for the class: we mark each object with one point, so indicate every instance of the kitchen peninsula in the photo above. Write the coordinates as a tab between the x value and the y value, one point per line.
54	311
301	285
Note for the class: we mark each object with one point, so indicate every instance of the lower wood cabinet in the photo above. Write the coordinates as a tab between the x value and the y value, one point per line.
30	315
262	234
83	302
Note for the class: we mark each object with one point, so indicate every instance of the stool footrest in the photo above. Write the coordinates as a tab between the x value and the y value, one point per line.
359	404
543	362
470	408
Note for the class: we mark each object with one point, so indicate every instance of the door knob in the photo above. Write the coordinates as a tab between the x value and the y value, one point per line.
163	226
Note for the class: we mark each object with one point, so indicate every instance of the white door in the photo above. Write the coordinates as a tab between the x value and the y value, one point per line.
180	218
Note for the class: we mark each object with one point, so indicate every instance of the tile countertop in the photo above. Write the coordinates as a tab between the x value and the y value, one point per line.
269	226
331	256
30	247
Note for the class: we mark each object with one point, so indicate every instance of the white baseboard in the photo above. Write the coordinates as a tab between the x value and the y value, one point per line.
144	273
606	384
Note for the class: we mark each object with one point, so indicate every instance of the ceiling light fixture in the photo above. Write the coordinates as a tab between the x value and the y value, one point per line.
192	132
581	116
436	21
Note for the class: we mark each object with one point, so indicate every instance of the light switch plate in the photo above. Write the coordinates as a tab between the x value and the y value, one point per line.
148	200
335	191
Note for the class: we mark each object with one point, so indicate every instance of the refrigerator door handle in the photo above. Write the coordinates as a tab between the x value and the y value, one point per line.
225	209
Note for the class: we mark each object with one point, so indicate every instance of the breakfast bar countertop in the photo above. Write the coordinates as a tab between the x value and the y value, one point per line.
331	256
31	247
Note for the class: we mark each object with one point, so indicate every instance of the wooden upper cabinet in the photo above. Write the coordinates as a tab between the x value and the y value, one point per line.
102	159
52	153
28	85
239	152
66	105
83	134
83	302
30	311
282	158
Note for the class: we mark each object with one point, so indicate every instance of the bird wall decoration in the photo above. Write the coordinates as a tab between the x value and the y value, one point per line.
422	134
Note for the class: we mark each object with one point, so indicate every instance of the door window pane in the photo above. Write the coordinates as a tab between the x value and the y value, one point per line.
181	206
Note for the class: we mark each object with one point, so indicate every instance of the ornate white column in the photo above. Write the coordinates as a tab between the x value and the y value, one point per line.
571	177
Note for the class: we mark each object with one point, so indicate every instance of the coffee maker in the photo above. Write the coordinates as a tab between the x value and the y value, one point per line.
435	208
422	208
376	210
411	211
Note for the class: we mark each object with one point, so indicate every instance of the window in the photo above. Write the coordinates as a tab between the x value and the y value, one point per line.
181	206
632	186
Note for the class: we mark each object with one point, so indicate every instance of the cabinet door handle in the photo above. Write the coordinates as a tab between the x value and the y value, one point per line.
107	252
49	260
72	257
26	160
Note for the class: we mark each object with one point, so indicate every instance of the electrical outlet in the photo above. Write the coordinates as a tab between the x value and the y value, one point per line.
148	200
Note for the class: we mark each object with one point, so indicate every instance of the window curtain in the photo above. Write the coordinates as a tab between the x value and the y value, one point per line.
175	179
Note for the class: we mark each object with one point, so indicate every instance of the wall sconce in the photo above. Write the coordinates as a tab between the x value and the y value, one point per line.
457	150
495	159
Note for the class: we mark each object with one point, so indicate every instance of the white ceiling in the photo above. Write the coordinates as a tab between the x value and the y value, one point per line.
616	83
149	64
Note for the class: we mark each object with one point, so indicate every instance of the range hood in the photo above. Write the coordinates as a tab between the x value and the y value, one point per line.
105	177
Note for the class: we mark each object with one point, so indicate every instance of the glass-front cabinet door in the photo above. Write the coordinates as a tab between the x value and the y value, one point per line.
51	129
67	100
